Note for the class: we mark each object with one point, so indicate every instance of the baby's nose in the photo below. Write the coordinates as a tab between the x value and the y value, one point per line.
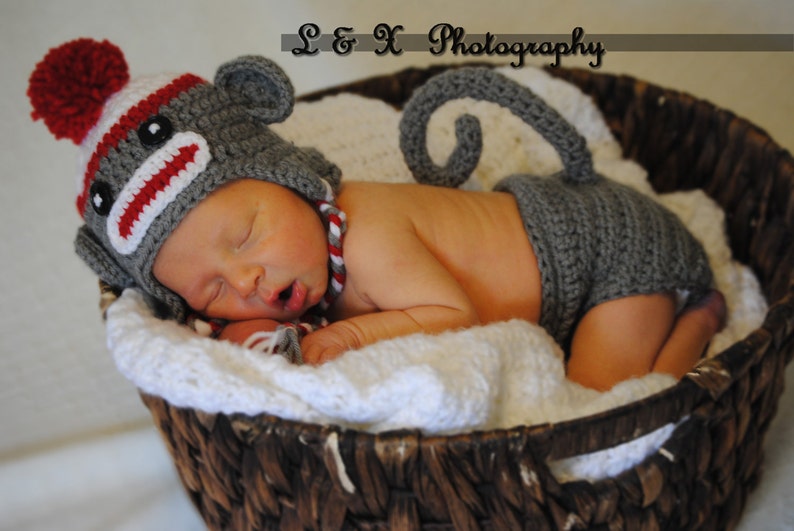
246	279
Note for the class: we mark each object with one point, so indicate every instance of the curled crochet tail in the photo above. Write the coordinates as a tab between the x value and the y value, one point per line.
488	85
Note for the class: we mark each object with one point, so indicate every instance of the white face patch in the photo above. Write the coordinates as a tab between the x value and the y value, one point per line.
153	186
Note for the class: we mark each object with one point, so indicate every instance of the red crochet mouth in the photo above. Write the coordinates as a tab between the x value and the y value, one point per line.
156	183
159	182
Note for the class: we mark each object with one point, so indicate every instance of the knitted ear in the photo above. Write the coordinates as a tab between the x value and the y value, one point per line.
261	83
91	251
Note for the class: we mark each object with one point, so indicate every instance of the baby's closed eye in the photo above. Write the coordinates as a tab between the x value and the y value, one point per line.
244	234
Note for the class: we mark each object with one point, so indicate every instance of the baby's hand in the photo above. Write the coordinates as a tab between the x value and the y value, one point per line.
239	331
328	343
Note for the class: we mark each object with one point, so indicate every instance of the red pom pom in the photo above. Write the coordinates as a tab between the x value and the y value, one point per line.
70	85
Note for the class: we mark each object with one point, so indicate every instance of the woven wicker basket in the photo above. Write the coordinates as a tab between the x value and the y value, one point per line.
265	472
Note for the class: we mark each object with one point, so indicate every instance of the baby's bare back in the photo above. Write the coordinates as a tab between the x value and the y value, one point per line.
478	237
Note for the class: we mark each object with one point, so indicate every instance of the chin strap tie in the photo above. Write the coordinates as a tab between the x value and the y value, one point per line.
286	339
336	221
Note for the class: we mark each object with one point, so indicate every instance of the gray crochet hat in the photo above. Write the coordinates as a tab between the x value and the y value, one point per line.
152	148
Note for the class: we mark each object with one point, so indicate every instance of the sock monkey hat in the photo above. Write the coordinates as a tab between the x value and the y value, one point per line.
152	148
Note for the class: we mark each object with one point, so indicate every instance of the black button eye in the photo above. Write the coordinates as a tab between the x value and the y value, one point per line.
101	197
155	131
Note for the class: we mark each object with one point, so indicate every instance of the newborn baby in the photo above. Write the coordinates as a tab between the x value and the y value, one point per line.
419	259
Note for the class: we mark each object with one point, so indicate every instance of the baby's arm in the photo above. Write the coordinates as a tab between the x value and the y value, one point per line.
330	342
396	286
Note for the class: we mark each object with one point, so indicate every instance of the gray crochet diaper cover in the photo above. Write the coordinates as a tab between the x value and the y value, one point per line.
599	241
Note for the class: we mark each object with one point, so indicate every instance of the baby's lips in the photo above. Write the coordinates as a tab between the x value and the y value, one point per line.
297	299
280	298
292	298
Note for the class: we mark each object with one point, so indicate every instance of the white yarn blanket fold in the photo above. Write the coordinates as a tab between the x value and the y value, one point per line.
495	376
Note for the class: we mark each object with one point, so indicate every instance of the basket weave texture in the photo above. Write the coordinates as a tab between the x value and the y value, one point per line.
264	472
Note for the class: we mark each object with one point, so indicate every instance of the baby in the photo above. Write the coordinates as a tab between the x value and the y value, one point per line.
188	196
419	259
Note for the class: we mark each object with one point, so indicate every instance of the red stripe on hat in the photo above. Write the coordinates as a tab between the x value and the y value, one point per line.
133	117
157	183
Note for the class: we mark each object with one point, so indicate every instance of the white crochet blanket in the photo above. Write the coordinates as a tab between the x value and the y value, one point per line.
494	376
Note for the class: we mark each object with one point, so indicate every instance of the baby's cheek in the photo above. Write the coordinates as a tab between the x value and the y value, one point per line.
238	332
